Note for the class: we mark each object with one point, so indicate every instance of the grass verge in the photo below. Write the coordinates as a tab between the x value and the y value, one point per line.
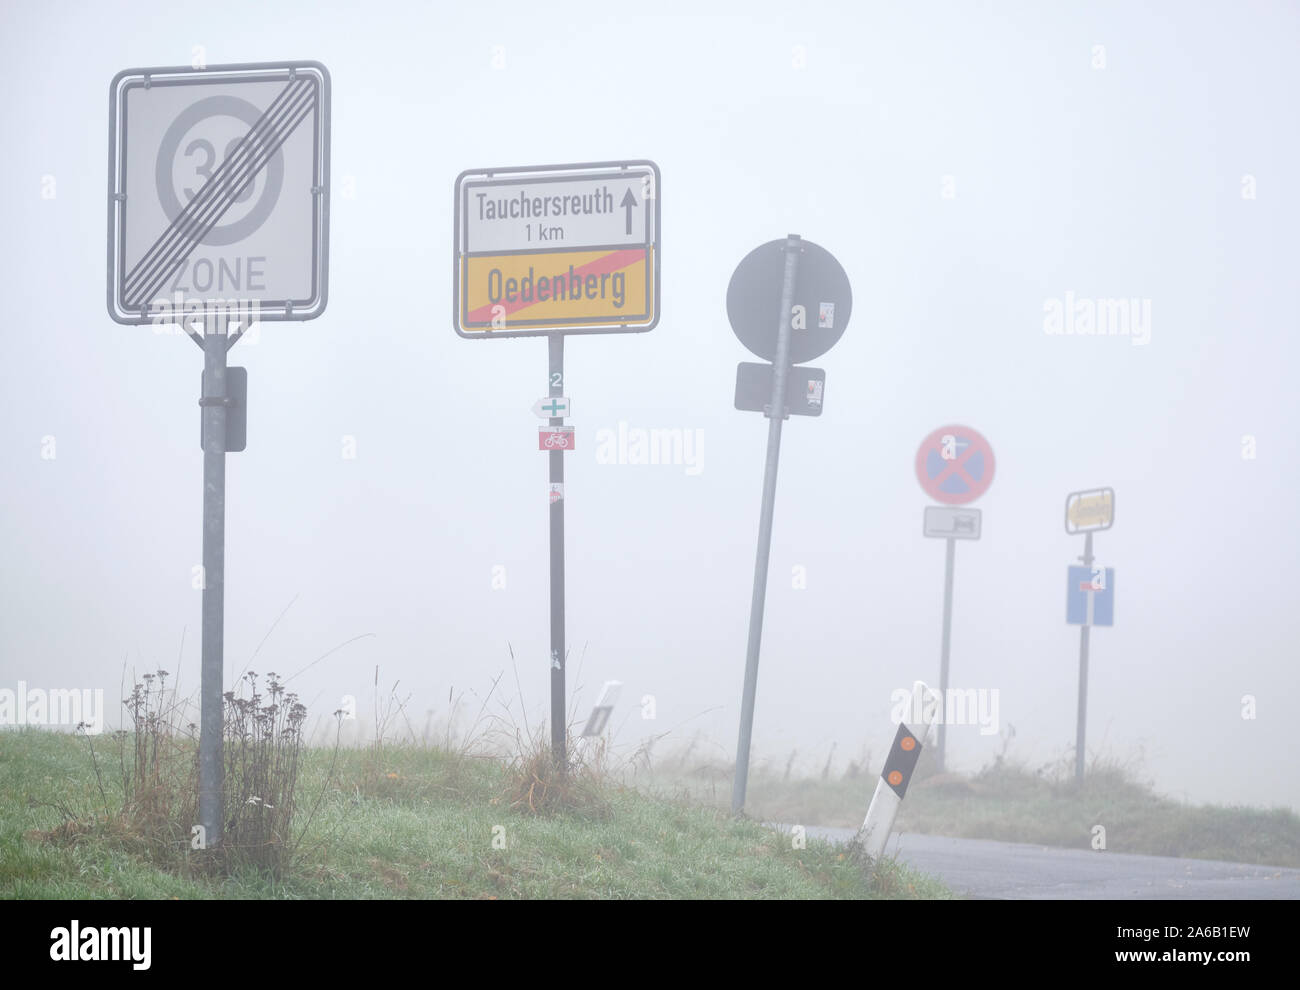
418	822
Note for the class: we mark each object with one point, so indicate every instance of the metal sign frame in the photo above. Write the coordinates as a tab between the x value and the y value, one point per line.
551	173
1089	529
129	79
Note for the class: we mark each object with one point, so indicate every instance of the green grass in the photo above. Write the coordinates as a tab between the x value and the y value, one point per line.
418	823
1016	803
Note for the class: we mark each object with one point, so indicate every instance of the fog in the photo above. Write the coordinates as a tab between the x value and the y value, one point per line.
976	169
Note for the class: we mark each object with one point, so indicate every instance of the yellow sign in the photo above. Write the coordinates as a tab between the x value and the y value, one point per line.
556	289
557	249
1092	510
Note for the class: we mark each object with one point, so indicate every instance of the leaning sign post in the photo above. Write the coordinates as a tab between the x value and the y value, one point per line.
548	251
788	302
1089	592
218	219
954	465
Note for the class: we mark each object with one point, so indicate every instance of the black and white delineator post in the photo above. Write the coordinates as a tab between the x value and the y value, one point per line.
897	772
788	302
550	251
598	720
218	219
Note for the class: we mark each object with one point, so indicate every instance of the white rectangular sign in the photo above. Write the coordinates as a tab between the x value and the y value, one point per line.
952	521
218	191
552	407
550	213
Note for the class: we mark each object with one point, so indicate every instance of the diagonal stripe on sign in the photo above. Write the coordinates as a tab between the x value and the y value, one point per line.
957	465
606	263
289	109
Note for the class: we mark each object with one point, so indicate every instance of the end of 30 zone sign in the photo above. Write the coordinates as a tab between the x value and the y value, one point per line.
560	248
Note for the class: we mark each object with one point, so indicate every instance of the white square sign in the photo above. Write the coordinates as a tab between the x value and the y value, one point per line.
218	192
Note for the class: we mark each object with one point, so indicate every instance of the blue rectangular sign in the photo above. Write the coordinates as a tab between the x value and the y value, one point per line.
1084	583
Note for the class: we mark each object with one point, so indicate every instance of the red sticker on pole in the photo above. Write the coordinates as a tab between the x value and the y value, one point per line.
954	465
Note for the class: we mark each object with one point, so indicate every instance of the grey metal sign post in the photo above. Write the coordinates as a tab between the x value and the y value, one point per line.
555	366
1081	716
954	465
1087	512
218	219
213	402
553	250
775	417
814	304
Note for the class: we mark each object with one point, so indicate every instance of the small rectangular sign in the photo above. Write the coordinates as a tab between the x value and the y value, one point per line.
952	521
526	213
552	407
1090	596
572	248
236	409
804	388
555	438
1089	510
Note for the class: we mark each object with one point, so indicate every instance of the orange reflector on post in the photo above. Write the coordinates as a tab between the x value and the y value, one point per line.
901	761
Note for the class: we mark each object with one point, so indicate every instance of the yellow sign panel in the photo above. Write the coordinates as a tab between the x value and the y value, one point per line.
556	289
557	249
1092	510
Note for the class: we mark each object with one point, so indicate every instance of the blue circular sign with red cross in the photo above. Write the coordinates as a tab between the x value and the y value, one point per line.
954	465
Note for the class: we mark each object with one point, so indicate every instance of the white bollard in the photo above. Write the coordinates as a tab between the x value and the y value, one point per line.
897	772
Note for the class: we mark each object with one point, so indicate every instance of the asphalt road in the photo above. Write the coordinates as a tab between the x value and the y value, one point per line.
1013	870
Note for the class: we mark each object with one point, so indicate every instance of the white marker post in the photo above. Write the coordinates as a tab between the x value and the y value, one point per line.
599	717
897	772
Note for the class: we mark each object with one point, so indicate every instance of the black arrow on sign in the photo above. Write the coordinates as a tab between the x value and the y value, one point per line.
629	201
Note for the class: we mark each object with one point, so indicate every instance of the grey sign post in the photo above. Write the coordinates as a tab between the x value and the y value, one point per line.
548	251
950	524
954	465
1086	512
218	219
811	313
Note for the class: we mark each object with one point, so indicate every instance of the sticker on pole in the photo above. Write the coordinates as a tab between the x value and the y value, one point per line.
569	248
218	193
954	465
1089	511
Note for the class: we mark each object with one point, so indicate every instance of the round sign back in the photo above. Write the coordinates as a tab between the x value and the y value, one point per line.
822	301
954	465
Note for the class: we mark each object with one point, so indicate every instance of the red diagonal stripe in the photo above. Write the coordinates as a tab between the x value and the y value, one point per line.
956	465
606	263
